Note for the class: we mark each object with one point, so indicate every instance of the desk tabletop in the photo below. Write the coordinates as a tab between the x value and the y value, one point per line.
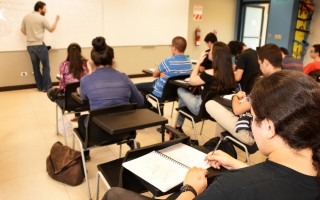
148	71
76	97
180	83
132	120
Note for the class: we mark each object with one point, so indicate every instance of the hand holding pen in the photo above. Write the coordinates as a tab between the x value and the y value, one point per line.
219	158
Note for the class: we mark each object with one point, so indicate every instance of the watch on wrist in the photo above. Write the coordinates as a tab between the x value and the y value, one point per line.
187	187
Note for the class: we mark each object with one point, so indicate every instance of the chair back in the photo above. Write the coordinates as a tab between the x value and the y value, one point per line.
315	75
169	92
96	136
69	103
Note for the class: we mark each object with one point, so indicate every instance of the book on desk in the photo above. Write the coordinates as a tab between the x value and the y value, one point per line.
166	168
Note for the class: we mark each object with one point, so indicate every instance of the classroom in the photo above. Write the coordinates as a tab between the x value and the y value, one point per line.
29	127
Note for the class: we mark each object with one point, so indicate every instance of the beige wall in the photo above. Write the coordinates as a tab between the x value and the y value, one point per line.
131	60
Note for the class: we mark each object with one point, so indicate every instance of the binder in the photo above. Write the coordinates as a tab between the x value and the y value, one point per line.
167	167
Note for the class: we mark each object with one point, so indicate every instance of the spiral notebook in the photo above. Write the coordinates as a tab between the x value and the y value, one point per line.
167	167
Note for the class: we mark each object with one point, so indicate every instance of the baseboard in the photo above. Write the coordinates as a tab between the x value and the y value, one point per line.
29	86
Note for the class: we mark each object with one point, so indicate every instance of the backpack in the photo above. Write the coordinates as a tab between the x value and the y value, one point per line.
65	165
225	146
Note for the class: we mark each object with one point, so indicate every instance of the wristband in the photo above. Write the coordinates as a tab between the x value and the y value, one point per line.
187	187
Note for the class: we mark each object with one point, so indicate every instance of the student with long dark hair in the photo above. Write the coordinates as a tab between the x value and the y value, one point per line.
219	80
74	67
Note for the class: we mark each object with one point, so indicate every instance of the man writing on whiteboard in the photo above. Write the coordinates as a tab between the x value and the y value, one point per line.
33	26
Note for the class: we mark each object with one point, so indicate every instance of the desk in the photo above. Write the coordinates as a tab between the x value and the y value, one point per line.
148	71
212	173
77	98
180	83
126	121
58	77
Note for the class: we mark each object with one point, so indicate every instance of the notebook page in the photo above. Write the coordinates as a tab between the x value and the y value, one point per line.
157	170
186	155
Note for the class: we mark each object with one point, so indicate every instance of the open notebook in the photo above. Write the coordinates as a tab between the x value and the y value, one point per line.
167	168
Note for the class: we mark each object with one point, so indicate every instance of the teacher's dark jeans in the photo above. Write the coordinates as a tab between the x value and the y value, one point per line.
39	53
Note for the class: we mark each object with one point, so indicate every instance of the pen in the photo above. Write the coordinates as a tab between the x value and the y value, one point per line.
216	147
239	86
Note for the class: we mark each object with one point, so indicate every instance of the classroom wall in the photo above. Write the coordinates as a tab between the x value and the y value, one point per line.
131	60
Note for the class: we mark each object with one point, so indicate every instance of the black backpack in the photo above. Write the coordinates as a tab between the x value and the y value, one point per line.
225	146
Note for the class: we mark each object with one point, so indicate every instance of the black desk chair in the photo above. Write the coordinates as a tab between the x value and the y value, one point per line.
246	148
69	106
169	94
201	116
114	175
315	75
97	137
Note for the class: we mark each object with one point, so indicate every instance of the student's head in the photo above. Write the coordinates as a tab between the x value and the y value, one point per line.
236	47
101	54
222	67
287	103
40	7
76	60
178	44
269	58
210	39
284	51
315	51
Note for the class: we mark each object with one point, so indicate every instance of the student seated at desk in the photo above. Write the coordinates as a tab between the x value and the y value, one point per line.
219	80
106	86
176	65
247	66
71	70
210	39
289	62
270	59
290	140
315	55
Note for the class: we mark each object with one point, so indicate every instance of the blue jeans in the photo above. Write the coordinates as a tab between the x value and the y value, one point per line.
191	101
39	53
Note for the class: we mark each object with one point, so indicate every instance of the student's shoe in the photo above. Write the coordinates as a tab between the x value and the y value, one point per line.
131	145
179	129
87	158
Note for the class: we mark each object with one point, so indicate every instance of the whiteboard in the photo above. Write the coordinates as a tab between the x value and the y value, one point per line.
122	22
80	21
144	22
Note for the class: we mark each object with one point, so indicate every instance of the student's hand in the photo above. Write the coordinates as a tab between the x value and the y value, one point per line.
241	94
202	56
196	177
162	75
219	158
57	18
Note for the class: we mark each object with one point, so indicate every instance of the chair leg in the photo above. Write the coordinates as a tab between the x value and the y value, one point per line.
194	129
202	126
57	119
243	146
120	151
172	109
100	176
84	168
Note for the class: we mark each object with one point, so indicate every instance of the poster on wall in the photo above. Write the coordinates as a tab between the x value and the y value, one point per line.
197	12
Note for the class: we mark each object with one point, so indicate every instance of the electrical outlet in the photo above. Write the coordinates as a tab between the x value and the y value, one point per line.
24	74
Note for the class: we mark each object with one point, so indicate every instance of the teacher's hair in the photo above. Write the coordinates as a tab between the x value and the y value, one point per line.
101	54
291	100
39	5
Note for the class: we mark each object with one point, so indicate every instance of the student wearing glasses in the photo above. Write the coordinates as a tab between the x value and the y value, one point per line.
315	55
